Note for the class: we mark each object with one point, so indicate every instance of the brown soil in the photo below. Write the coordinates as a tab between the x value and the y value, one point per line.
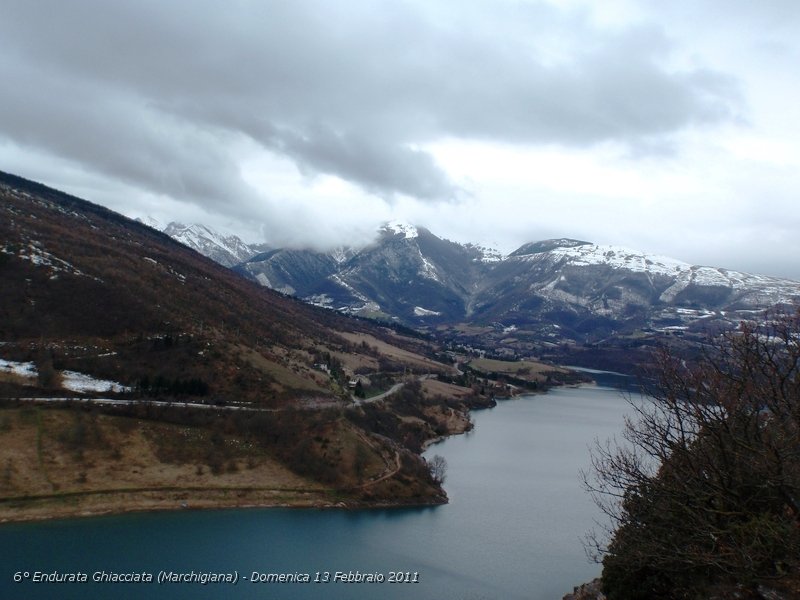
54	464
434	387
398	354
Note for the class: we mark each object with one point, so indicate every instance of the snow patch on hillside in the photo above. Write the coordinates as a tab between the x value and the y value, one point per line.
321	300
23	369
490	255
342	254
428	270
167	269
368	305
264	280
71	380
621	258
401	228
80	382
151	221
710	277
36	254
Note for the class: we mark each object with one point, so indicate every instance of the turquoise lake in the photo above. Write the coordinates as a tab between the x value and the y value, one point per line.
512	530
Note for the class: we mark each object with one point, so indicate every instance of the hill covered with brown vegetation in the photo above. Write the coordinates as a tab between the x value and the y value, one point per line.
223	389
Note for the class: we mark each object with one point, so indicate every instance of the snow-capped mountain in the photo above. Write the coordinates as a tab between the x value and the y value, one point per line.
405	273
685	281
227	250
588	287
583	290
401	228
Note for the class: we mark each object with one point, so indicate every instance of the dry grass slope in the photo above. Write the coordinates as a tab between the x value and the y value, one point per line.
89	290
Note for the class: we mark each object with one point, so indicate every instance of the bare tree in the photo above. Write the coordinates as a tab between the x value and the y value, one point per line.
47	376
438	468
703	491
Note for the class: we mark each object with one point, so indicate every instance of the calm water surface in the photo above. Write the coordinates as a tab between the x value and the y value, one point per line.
513	527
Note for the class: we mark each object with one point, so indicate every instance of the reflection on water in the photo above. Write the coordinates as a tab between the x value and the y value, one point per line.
513	527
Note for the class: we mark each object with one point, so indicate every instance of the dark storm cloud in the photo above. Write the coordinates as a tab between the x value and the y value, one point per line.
160	93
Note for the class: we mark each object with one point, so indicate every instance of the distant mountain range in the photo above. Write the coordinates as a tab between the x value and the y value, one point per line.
557	290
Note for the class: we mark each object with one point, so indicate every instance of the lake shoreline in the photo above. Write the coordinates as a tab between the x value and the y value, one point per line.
343	505
217	496
114	502
522	543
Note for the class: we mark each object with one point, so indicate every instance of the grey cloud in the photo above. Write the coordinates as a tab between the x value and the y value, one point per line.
156	91
122	137
379	167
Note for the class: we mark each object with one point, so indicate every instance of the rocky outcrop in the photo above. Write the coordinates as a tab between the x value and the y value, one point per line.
587	591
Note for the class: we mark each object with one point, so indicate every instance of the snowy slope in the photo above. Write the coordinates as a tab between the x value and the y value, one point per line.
743	287
406	230
227	250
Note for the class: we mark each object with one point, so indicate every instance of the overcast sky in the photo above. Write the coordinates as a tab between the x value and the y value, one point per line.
671	127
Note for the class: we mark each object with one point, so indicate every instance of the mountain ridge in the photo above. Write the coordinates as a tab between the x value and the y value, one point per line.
413	254
543	294
235	252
